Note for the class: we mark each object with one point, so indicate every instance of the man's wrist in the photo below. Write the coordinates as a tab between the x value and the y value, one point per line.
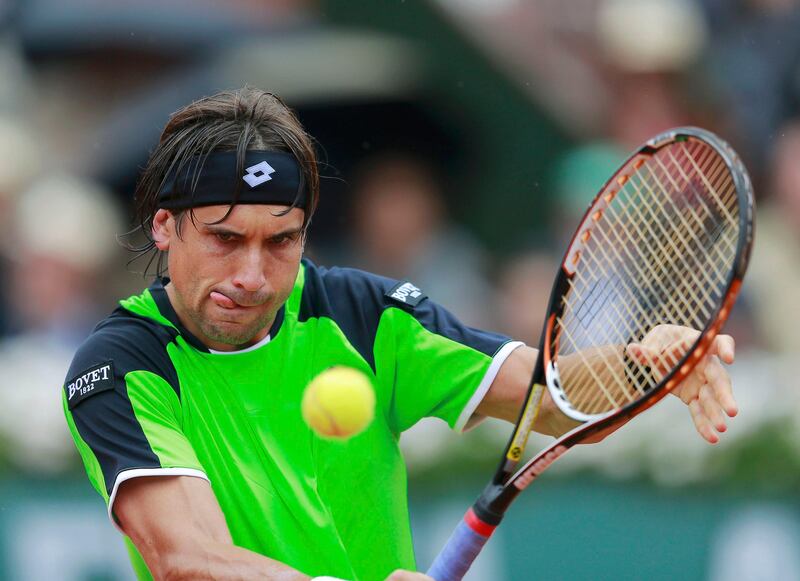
551	421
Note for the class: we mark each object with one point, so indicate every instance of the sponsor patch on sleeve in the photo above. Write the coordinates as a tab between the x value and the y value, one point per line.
406	293
90	382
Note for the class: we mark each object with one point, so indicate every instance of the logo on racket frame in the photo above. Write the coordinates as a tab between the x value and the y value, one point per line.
539	466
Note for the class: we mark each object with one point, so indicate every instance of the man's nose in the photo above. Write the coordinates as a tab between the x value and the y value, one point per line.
250	273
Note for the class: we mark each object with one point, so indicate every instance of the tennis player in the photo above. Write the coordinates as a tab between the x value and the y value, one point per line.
185	402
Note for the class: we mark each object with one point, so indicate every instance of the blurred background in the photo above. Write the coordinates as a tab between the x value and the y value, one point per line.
456	137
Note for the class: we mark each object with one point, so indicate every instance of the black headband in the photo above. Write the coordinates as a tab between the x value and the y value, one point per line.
269	177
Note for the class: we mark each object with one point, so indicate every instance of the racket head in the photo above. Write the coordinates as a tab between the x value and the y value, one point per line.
666	241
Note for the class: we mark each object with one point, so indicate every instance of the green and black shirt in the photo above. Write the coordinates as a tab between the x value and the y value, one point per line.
144	397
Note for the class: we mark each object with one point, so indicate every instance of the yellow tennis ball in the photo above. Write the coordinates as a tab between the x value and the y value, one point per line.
339	403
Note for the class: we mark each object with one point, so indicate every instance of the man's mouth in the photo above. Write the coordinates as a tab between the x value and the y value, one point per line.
226	302
222	300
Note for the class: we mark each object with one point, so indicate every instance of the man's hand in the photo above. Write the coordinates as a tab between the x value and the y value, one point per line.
401	575
707	389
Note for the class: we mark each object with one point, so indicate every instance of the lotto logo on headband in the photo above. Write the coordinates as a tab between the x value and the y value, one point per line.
258	174
273	177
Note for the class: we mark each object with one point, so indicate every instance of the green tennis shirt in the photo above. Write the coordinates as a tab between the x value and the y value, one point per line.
143	397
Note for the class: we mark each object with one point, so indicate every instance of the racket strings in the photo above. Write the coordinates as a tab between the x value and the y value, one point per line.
703	176
727	187
615	353
684	226
625	228
612	304
700	277
662	249
618	354
660	254
712	243
688	249
690	302
618	314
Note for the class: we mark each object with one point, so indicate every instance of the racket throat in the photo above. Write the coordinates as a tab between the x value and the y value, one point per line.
519	439
491	505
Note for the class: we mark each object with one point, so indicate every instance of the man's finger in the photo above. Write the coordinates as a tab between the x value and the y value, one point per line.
701	423
663	357
689	388
711	408
639	353
725	347
647	357
720	383
675	351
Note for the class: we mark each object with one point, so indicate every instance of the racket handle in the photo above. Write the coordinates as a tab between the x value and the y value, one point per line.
466	542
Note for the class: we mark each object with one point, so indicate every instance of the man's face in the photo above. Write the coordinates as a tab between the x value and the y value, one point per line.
228	280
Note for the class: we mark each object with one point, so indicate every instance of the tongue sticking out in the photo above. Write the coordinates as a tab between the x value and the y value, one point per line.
222	300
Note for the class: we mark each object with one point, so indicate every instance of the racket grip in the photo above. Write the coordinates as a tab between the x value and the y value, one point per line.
463	546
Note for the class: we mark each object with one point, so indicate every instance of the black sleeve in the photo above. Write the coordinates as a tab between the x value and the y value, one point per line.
96	395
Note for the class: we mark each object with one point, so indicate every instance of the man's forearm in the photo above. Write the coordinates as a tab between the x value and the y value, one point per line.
506	395
605	364
211	560
178	527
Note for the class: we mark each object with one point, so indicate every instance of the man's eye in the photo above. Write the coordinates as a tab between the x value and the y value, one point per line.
224	237
283	240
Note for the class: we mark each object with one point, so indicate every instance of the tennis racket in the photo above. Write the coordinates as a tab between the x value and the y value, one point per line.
661	249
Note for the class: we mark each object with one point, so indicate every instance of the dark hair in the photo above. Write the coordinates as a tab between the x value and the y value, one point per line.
247	118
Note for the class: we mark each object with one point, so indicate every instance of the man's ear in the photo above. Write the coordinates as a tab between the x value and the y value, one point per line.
163	229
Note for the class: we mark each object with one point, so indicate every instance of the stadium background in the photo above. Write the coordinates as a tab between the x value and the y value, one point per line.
455	136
